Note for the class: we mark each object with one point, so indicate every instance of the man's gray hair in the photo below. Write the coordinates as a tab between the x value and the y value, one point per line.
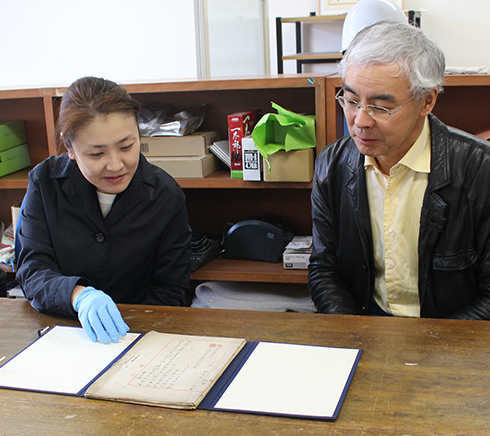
387	43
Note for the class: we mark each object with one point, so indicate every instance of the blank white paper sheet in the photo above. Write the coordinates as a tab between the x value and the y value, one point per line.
291	379
62	361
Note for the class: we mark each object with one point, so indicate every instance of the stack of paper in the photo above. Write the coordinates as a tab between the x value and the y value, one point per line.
222	150
270	297
482	69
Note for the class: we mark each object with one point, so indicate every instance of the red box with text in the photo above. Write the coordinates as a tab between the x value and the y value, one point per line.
240	124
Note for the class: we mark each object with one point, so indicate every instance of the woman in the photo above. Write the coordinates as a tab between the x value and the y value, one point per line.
101	225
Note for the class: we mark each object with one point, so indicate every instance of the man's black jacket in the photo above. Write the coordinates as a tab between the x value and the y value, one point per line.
454	240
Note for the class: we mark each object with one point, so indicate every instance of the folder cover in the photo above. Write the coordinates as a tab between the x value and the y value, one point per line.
188	372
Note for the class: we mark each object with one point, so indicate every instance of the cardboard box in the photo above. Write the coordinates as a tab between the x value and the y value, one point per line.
189	145
240	124
14	159
296	260
252	162
12	134
291	166
187	167
297	253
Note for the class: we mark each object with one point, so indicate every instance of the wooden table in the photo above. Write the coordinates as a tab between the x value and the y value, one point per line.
415	376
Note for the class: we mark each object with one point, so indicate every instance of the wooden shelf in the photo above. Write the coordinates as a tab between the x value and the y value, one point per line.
485	134
269	81
301	57
17	180
313	56
249	271
221	179
272	81
218	200
314	18
467	80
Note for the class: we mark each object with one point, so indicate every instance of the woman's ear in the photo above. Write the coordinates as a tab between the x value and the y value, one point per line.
429	102
69	150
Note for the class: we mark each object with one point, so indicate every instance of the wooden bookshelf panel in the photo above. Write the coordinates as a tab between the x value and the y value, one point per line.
221	103
465	107
17	180
31	110
216	200
249	271
211	209
221	179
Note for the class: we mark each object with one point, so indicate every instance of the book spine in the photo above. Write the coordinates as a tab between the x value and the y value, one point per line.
240	125
235	135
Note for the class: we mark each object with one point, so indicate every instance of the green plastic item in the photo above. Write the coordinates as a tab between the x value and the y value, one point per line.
12	134
285	130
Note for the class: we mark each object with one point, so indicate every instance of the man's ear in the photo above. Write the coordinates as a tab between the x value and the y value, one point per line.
429	102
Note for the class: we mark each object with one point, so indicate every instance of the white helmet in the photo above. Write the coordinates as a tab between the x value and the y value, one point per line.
367	12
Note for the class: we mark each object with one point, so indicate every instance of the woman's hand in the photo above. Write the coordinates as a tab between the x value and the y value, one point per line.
99	315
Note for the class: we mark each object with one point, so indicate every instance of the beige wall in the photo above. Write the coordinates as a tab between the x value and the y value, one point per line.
53	42
460	28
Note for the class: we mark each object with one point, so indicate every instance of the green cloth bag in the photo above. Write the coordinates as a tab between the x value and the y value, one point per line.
285	130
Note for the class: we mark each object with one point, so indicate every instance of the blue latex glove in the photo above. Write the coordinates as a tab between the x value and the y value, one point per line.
99	316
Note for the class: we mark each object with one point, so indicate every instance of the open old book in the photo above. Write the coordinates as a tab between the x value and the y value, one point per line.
187	372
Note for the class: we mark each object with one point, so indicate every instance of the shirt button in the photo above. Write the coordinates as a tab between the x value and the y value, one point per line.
390	230
395	297
392	193
99	237
392	266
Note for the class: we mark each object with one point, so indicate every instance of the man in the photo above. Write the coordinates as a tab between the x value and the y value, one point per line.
401	207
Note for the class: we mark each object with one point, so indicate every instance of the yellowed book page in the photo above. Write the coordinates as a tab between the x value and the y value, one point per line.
167	370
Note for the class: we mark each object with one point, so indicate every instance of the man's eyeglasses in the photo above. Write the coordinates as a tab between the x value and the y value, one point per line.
377	113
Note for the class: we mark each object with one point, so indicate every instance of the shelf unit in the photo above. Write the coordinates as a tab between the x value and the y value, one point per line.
300	57
216	200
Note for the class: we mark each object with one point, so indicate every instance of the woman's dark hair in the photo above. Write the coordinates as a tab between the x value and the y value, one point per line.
86	99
